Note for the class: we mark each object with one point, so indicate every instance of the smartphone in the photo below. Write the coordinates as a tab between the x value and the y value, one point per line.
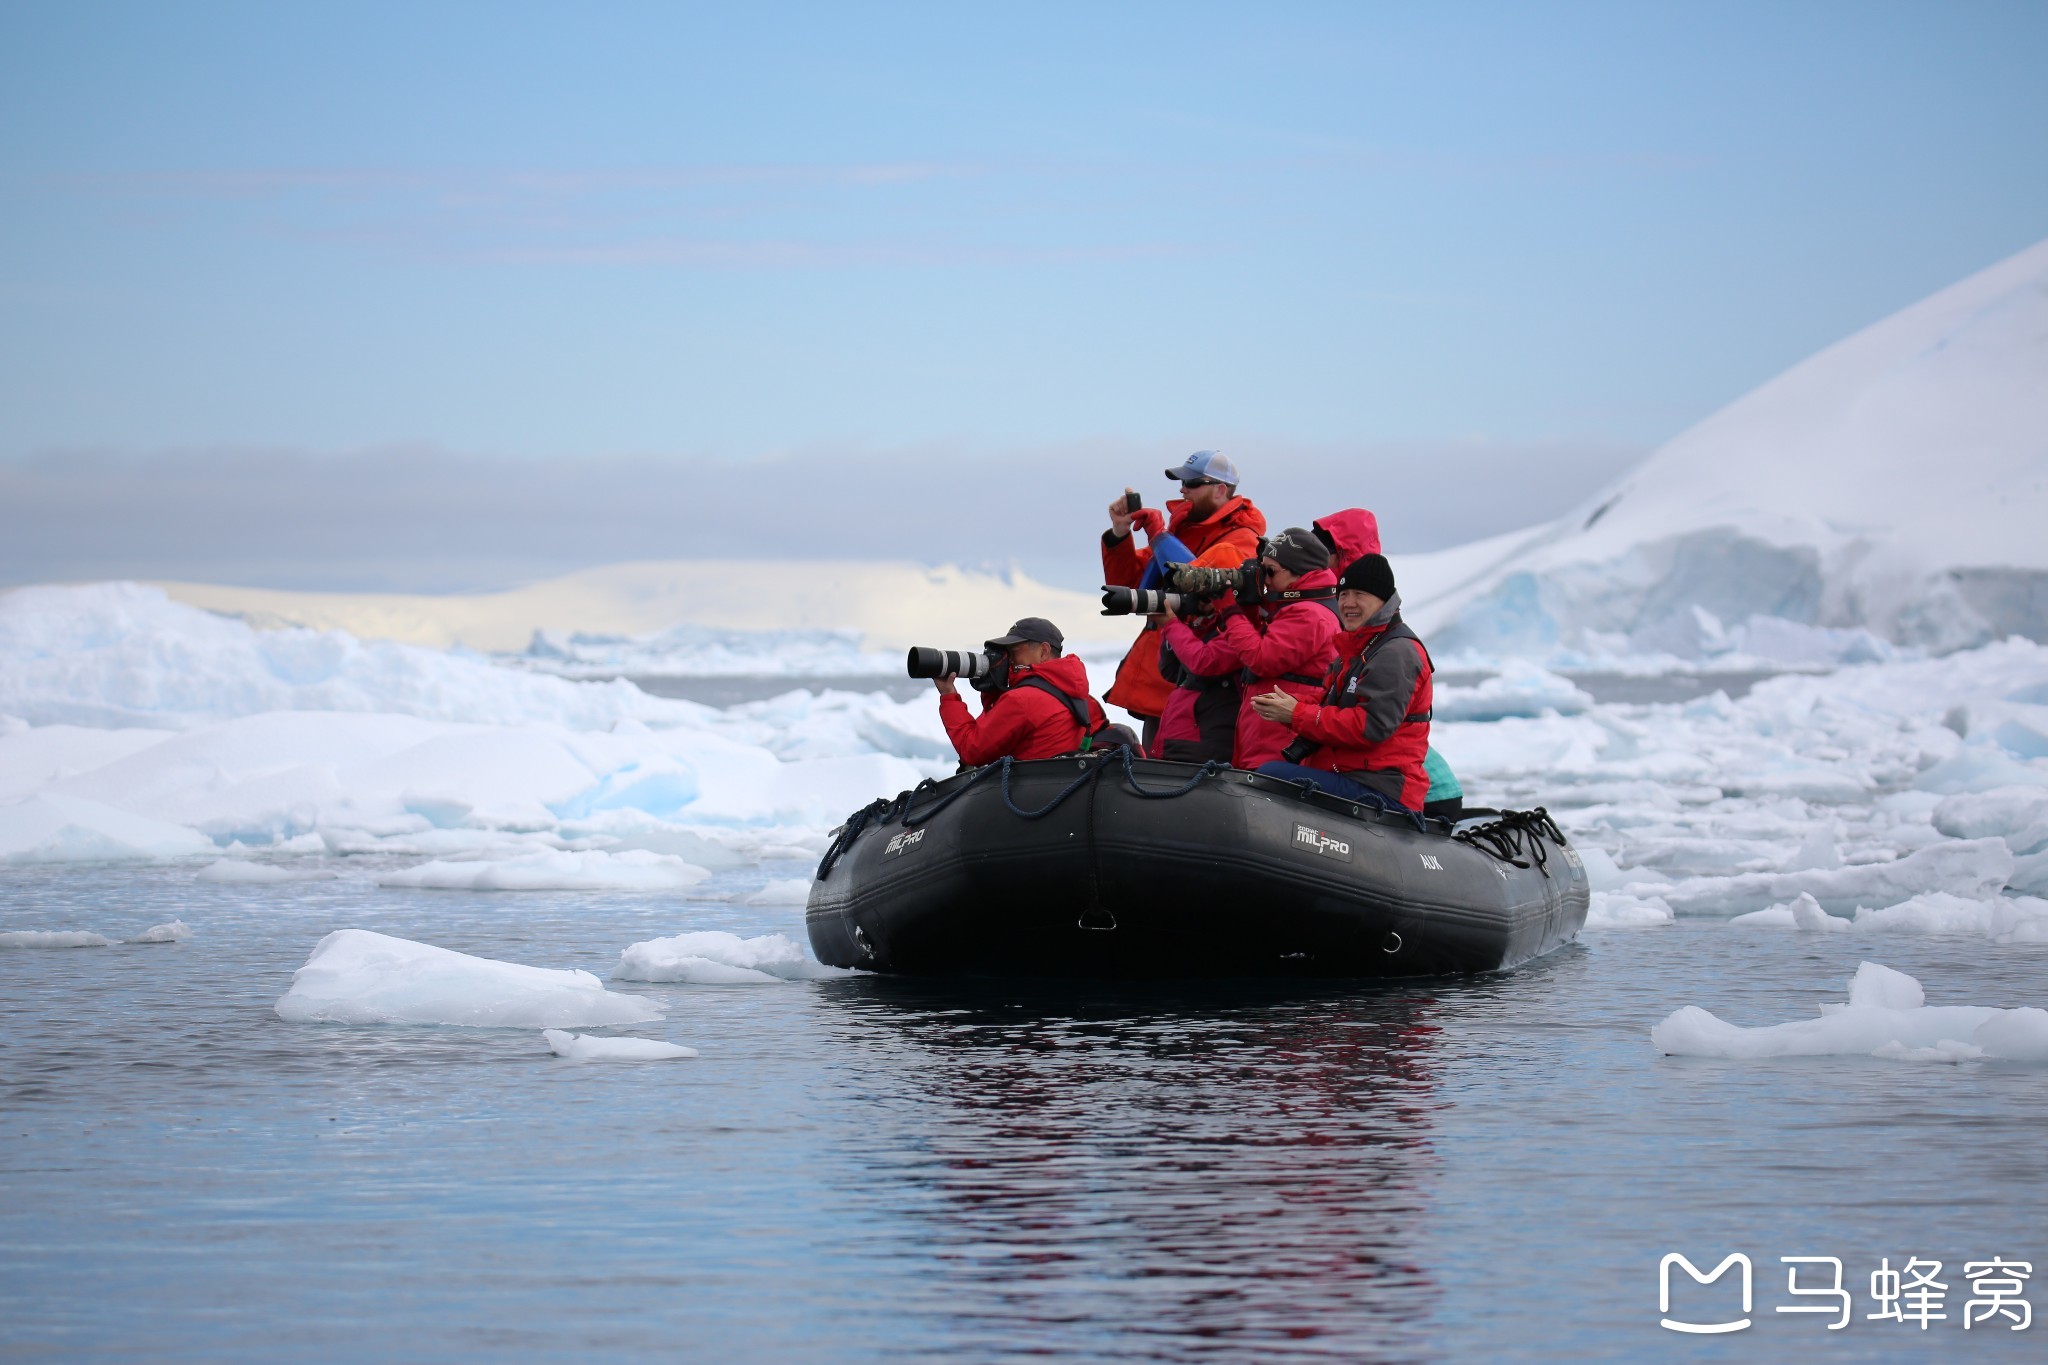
1133	503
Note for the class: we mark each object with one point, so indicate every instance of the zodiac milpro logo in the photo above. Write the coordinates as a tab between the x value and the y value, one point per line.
909	839
1328	845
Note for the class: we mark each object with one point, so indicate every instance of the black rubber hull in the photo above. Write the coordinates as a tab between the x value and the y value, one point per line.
1241	876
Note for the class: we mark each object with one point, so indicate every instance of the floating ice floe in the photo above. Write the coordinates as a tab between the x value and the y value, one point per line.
2004	919
1520	688
712	957
177	931
1619	910
782	891
1974	869
553	870
48	828
355	976
53	938
1887	1016
236	872
583	1047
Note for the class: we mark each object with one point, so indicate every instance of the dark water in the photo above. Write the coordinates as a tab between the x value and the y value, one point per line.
869	1168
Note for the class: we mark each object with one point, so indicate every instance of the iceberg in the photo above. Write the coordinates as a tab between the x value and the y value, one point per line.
1886	1016
1774	532
355	976
49	828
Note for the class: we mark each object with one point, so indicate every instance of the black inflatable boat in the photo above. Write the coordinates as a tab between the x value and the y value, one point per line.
1102	865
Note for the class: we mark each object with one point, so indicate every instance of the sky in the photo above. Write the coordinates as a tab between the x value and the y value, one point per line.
445	296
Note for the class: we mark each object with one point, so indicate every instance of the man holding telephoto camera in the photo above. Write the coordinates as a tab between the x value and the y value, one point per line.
1037	706
1208	525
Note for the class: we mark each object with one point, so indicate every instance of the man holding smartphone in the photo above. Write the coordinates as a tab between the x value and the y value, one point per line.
1210	526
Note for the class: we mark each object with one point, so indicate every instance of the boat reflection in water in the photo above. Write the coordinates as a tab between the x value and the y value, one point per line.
1164	1170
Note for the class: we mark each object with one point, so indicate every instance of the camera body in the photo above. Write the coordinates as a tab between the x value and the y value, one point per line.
1247	581
987	669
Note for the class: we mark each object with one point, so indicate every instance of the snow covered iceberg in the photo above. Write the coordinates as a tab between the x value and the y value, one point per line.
1886	491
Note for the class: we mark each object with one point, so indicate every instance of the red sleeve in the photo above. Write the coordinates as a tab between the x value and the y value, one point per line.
1291	644
1342	726
1123	560
1211	658
1230	549
996	733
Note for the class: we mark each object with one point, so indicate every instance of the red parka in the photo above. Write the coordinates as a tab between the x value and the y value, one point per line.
1292	652
1222	541
1350	534
1023	722
1373	719
1200	719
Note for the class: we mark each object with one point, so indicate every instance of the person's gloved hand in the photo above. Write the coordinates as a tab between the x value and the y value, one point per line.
1150	520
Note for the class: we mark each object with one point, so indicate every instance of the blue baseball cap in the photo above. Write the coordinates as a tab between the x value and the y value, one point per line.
1206	464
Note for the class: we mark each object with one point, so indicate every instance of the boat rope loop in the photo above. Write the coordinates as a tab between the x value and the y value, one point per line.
902	807
1516	832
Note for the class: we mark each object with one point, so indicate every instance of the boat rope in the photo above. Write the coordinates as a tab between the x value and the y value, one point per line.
902	808
1516	832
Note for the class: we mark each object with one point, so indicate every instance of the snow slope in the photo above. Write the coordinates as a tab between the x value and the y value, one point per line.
881	605
1889	489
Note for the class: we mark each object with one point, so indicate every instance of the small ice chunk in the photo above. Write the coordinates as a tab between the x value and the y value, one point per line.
712	957
582	1047
1803	914
1818	852
53	938
1876	986
355	976
785	891
552	870
1619	910
173	932
1886	1016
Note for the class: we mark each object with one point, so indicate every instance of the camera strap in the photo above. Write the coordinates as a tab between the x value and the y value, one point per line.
1076	707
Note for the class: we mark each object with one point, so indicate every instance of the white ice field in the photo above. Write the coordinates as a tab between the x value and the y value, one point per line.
1885	798
1874	512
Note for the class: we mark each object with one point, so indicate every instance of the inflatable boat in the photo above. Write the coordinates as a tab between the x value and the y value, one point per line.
1106	865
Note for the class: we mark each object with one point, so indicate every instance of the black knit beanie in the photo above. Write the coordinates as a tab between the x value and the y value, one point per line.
1298	551
1370	573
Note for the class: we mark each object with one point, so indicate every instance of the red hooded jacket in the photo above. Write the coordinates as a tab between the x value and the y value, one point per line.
1200	719
1373	722
1023	722
1223	541
1350	534
1292	653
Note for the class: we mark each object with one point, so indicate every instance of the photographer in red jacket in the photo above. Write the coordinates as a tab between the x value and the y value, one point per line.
1042	711
1290	648
1366	738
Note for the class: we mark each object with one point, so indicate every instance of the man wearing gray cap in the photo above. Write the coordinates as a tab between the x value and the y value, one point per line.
1042	711
1208	526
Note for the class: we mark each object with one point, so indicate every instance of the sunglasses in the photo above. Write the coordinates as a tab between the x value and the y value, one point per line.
1199	483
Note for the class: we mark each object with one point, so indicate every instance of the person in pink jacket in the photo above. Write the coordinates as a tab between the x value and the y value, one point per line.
1291	647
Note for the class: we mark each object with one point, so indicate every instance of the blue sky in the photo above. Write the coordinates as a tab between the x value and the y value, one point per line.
945	233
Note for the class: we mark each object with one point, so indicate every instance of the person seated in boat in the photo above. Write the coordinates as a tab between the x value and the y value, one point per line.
1042	709
1209	525
1367	736
1199	722
1282	636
